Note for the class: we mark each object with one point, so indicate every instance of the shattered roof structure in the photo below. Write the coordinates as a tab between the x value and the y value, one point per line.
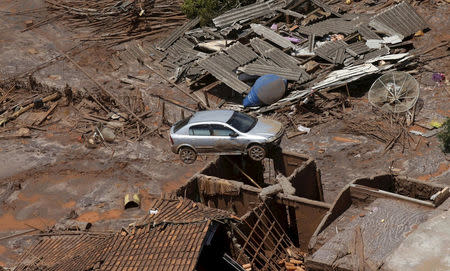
171	237
65	252
257	48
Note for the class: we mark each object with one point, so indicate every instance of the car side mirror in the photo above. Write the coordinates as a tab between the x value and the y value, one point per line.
233	134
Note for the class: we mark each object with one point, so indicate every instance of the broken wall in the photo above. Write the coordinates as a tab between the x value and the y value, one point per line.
306	181
401	185
305	215
287	162
220	193
299	214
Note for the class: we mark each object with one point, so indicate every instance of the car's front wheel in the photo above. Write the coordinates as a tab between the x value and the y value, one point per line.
257	152
188	155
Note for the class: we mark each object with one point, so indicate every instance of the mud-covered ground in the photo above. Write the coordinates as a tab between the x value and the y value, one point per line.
52	175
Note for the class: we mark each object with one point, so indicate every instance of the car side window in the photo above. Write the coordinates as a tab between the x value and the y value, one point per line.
200	130
220	130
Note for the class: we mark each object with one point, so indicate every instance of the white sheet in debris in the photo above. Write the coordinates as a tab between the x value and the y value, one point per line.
388	57
346	75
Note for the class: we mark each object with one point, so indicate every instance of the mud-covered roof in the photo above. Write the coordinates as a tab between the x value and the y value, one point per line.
170	237
182	211
64	252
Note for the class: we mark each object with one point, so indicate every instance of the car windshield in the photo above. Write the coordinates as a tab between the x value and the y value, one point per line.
242	122
180	124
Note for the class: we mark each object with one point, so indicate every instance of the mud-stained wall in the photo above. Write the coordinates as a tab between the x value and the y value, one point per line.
221	185
401	185
414	189
306	181
306	215
287	162
222	194
298	216
342	202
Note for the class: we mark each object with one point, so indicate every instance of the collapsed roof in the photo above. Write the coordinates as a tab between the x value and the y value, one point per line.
170	237
256	42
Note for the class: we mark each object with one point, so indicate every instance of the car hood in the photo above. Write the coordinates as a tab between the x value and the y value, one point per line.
266	128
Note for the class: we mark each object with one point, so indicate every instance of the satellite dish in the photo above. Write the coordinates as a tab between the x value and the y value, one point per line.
394	91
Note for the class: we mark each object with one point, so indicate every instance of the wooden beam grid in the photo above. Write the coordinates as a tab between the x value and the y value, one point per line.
253	249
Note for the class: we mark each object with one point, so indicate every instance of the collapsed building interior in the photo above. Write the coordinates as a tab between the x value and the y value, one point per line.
69	69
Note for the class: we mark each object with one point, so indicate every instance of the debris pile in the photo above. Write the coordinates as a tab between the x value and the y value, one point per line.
384	128
315	46
113	22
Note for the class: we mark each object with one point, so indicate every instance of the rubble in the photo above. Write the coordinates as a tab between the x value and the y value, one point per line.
279	55
115	21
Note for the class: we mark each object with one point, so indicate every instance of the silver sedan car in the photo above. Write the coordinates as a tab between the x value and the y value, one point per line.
224	132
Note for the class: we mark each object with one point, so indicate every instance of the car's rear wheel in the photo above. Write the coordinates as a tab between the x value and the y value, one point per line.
257	152
188	155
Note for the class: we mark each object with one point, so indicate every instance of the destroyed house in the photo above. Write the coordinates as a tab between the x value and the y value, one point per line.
370	219
279	202
177	234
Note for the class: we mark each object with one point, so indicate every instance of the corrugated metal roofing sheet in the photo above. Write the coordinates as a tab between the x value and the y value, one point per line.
359	47
221	66
333	25
332	51
176	34
325	7
279	57
261	46
400	19
248	12
241	53
373	54
276	55
272	36
286	73
367	33
180	51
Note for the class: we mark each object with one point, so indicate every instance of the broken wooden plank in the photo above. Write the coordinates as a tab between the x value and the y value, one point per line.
48	98
358	250
46	114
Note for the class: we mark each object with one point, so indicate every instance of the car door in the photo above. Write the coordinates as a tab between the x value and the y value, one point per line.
200	138
223	141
